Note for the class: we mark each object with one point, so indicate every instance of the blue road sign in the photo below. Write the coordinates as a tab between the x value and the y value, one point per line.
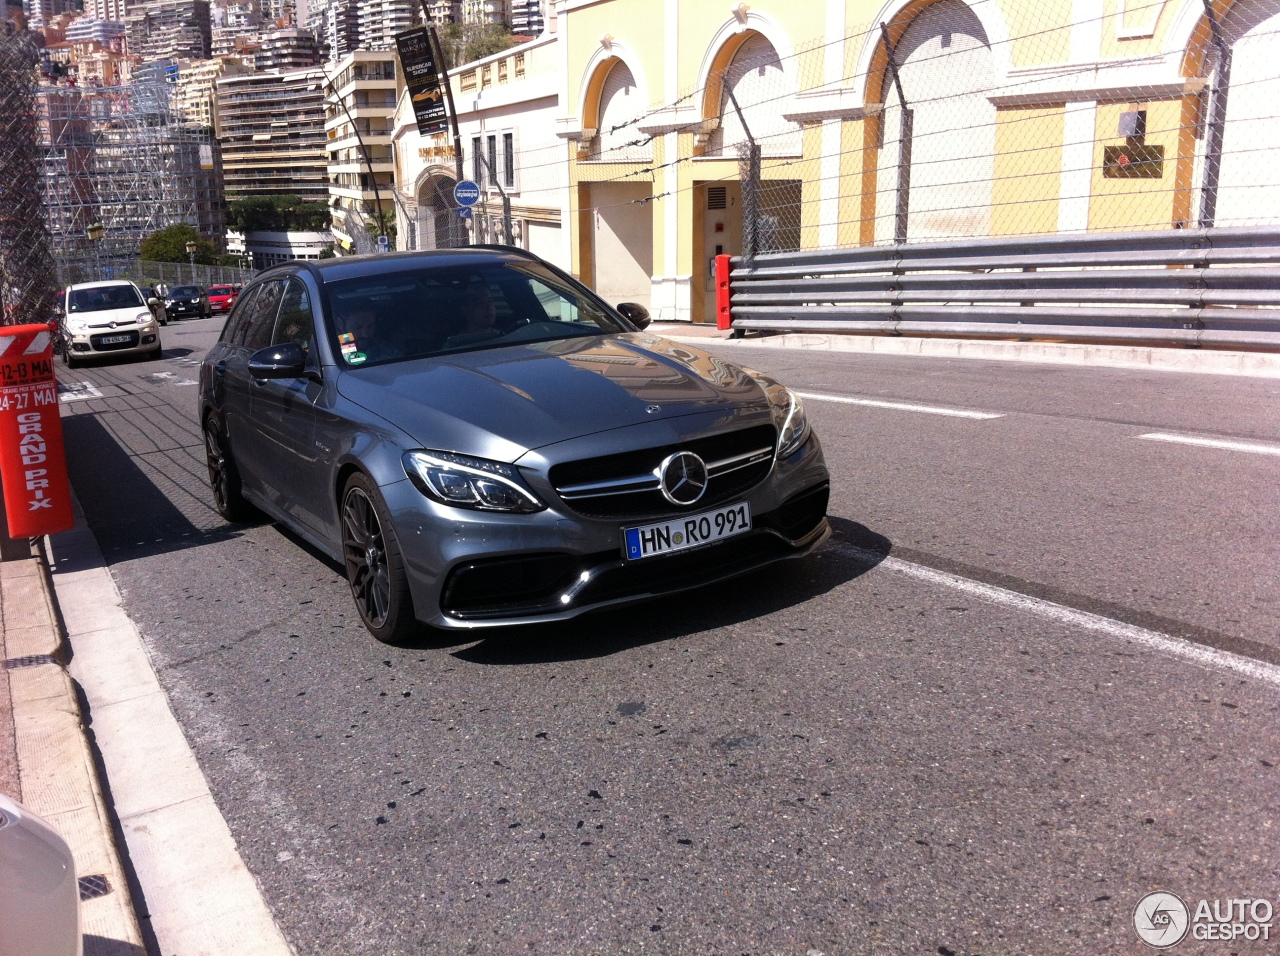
467	193
464	212
383	243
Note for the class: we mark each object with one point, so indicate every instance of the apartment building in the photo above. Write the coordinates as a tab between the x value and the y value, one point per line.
486	11
362	99
271	128
336	25
195	97
106	9
40	12
445	11
173	29
283	50
381	20
527	17
105	32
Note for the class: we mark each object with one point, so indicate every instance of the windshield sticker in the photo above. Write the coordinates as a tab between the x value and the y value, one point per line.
355	358
346	338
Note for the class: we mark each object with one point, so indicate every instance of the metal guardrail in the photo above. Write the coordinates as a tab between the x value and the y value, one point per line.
1182	287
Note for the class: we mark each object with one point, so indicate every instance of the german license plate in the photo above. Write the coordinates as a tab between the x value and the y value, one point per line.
115	339
681	534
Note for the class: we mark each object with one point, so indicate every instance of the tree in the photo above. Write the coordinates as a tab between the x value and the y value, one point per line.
170	245
277	214
463	43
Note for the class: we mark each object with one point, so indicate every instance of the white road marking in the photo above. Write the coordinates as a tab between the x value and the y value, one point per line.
1208	657
77	391
900	406
1215	443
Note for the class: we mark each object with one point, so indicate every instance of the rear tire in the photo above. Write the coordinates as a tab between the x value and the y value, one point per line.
375	567
224	479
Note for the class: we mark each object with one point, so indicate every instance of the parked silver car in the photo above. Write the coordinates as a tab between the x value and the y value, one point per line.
482	441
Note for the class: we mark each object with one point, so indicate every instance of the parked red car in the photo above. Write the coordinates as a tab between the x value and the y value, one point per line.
222	297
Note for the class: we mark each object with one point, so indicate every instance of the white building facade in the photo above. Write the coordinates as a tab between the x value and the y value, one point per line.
507	105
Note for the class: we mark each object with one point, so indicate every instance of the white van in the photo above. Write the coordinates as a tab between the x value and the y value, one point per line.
107	318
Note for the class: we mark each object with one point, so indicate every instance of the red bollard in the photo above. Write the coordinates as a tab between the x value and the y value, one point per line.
33	465
723	319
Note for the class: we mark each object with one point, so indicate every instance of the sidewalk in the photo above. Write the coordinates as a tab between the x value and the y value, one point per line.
46	761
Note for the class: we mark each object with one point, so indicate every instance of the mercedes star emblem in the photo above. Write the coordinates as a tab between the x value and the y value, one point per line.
683	478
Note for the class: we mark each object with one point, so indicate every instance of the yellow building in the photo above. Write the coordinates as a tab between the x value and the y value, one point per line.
1027	117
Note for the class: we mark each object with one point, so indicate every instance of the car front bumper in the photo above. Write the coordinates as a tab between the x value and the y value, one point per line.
96	342
471	569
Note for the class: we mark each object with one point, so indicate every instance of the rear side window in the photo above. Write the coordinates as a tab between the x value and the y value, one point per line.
239	315
296	324
260	319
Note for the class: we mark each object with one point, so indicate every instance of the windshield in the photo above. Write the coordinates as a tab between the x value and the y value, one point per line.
185	292
435	311
104	298
220	290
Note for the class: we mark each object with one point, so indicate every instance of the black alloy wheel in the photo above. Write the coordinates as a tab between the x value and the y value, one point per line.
374	566
224	480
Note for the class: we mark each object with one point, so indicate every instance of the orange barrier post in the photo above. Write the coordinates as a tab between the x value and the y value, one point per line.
33	465
723	320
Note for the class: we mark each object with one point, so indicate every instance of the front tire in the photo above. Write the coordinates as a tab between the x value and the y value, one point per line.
375	567
224	479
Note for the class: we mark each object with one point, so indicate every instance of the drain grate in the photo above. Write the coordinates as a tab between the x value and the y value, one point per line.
91	887
13	663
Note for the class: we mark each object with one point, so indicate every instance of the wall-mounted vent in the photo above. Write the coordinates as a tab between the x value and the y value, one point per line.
717	197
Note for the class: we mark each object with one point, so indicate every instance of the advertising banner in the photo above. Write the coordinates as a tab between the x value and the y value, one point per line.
422	79
33	466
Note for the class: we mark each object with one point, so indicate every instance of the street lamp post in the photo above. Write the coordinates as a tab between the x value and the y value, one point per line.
191	257
95	233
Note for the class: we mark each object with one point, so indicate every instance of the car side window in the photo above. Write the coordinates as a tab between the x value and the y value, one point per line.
296	323
262	320
239	317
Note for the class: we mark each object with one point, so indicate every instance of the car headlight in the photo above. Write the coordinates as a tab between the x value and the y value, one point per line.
142	318
466	482
788	415
795	424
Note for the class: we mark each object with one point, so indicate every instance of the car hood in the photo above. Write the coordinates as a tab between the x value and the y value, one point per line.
501	402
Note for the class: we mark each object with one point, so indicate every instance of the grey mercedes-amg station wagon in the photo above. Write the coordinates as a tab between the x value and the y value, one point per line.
482	441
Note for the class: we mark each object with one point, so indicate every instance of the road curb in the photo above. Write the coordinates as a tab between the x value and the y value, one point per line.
200	897
1198	361
56	766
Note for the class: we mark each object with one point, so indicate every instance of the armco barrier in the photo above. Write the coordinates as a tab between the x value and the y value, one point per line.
1180	287
33	465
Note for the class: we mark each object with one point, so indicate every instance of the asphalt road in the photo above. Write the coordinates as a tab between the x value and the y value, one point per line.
861	752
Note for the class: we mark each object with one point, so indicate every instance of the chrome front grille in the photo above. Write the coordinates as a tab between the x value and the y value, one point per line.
626	485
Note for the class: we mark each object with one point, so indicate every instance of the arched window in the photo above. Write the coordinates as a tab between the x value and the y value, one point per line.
618	138
945	61
759	84
1249	176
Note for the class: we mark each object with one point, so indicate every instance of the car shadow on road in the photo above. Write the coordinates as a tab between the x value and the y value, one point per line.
724	604
130	515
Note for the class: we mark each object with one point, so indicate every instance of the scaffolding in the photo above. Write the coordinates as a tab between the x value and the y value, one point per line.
120	158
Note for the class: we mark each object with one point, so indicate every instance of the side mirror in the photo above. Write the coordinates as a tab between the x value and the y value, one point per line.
635	313
153	301
286	360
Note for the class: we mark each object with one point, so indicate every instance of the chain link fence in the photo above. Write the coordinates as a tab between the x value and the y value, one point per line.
955	120
147	274
28	286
